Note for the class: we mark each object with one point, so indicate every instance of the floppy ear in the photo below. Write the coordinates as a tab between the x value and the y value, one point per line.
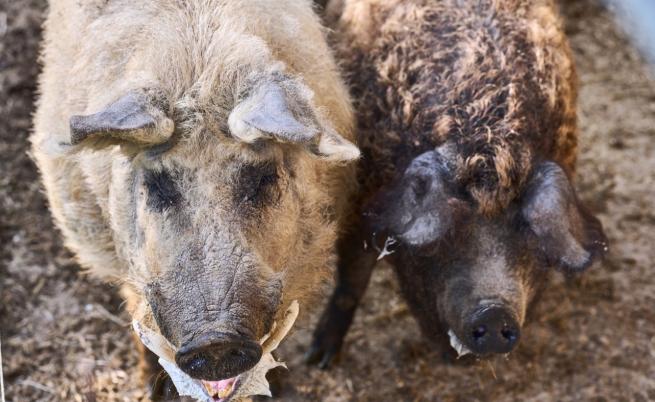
134	118
568	234
281	110
417	209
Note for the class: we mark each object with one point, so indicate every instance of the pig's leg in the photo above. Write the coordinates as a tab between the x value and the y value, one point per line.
153	375
354	272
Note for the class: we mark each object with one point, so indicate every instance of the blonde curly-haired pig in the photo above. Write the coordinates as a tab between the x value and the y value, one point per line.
197	152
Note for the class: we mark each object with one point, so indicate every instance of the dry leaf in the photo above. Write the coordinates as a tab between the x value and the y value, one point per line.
457	344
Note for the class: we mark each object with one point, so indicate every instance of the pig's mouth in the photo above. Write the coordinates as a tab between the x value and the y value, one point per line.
248	383
223	390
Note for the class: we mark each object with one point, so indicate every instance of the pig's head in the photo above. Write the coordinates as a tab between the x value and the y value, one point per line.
472	274
226	212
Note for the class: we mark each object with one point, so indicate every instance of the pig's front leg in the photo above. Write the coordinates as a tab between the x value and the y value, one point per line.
354	272
160	385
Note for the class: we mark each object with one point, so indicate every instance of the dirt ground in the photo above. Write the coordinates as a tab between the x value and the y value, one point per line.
66	338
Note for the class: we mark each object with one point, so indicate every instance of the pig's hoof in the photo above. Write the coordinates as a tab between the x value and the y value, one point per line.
322	353
163	389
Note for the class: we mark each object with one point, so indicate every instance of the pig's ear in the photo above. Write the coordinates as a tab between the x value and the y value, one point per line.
282	111
418	208
136	118
568	234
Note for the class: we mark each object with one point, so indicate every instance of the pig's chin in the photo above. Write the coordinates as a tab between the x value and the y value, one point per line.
223	390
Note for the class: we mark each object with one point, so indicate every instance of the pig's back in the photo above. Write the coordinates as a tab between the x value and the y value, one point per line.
494	77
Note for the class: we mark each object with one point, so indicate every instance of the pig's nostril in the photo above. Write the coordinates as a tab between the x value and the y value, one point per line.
492	329
197	363
479	332
238	353
509	334
218	356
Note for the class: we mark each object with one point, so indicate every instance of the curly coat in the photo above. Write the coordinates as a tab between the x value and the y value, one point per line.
495	78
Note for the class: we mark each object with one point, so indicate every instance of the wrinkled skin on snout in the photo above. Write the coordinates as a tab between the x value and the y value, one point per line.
472	274
222	228
210	276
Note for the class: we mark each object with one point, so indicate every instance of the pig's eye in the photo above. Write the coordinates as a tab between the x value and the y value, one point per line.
162	190
257	184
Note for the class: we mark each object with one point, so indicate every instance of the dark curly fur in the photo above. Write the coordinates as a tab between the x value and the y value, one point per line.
493	77
467	126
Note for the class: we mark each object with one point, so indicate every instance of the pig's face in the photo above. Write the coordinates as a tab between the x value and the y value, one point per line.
215	237
476	275
224	219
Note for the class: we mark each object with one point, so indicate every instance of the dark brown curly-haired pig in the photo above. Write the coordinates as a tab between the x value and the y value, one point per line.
195	152
467	126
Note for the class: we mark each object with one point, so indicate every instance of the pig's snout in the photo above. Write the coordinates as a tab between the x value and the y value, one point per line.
491	330
218	356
